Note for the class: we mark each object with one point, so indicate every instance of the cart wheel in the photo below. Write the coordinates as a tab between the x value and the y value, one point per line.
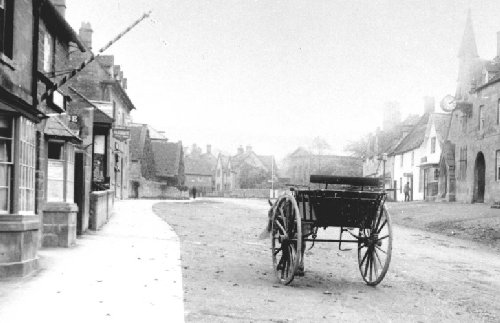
286	239
374	248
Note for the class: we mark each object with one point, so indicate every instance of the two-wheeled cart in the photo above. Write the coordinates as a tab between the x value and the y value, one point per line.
353	204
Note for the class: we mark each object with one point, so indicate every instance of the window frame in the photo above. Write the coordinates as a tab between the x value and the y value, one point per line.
10	142
481	118
433	145
7	29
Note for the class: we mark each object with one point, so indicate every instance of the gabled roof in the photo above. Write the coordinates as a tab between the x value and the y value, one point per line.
224	160
138	136
415	138
441	123
167	157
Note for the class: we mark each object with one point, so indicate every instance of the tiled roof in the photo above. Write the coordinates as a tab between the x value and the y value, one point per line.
197	166
138	135
56	128
167	157
415	138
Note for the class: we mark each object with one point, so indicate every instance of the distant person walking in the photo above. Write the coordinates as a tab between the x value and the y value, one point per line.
194	192
406	190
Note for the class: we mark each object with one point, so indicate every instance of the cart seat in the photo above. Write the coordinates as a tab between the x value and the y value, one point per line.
346	180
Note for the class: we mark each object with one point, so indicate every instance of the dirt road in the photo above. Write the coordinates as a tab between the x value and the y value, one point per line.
228	276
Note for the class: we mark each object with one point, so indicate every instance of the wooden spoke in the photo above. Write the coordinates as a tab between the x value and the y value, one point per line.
286	238
373	268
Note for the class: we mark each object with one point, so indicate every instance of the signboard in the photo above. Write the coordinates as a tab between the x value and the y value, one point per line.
121	134
57	101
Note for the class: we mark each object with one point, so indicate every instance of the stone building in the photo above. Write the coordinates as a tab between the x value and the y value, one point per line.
301	164
470	162
169	162
224	174
34	48
200	169
103	85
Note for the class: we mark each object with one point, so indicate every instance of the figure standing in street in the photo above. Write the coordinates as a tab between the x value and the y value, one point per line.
194	193
406	190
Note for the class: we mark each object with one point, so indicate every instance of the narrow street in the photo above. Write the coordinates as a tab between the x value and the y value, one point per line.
227	273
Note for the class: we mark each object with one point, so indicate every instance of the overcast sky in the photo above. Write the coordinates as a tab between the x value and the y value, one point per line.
275	74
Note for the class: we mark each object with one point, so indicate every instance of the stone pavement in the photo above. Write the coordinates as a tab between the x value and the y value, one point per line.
130	271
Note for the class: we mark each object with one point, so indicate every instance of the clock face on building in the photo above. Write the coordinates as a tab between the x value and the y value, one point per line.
448	103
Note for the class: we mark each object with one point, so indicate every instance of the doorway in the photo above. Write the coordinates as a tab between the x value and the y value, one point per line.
479	179
79	190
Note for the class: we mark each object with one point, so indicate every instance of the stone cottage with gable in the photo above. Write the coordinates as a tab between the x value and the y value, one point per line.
470	164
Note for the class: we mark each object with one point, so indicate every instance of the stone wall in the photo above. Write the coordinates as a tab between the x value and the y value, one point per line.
148	189
101	208
59	224
246	193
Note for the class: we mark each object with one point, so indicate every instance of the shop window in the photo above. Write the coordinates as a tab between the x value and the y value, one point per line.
6	135
25	170
99	171
60	175
6	27
27	160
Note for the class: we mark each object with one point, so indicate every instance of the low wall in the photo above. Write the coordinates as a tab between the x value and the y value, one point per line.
247	193
155	190
59	224
101	208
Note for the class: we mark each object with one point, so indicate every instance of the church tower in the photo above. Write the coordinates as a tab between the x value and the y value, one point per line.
468	62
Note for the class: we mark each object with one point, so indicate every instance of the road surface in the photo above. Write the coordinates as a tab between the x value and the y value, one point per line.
227	273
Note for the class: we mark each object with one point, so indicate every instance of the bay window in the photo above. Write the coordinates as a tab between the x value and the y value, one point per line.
17	165
6	135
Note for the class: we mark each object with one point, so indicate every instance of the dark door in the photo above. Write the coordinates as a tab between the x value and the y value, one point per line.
479	178
79	190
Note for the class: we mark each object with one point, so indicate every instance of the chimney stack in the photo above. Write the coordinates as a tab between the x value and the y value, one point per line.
85	34
240	150
60	6
209	149
429	104
249	148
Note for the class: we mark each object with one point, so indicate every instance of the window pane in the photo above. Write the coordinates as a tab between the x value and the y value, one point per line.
4	199
55	190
